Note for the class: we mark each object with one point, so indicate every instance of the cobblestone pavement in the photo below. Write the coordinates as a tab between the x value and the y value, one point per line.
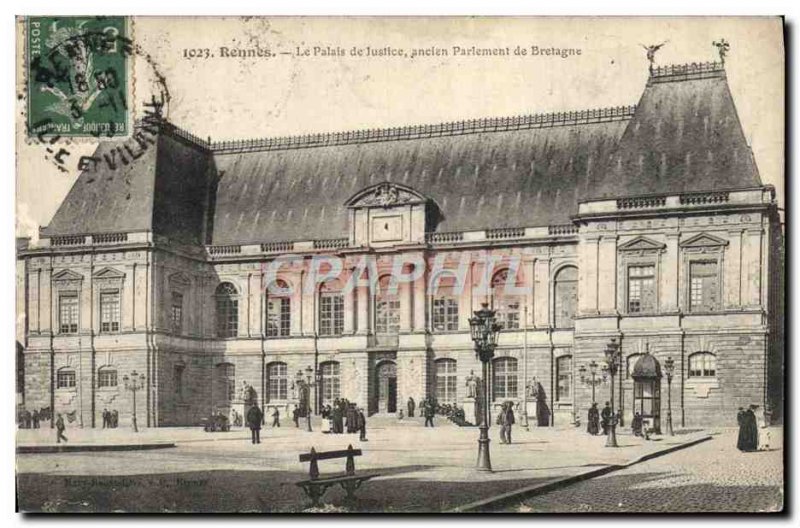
710	477
422	469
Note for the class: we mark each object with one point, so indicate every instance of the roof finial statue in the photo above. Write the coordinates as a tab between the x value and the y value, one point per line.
651	52
722	48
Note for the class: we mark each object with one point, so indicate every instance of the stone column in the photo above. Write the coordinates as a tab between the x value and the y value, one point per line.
751	267
607	274
420	287
670	262
588	275
733	270
541	292
350	303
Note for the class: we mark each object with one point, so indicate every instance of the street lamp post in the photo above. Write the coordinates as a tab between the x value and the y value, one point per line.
134	383
594	381
306	385
669	368
612	363
484	334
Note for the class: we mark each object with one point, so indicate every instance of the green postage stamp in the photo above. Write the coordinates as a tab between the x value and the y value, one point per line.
78	78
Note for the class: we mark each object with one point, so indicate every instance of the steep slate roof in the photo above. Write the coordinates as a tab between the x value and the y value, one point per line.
685	136
479	180
527	171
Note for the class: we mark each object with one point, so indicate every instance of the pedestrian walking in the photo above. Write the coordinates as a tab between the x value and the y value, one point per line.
60	429
106	419
605	416
429	412
362	424
593	425
35	419
276	418
254	417
411	406
505	419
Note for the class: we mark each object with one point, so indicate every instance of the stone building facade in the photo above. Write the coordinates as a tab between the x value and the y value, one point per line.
197	265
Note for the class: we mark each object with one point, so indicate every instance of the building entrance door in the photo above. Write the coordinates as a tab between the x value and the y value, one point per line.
387	387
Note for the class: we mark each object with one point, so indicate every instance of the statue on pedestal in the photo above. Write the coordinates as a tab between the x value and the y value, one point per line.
472	385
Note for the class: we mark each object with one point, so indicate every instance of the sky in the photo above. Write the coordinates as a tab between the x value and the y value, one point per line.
218	95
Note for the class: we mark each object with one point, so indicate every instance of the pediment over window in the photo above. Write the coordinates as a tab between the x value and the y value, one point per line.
642	244
67	276
704	240
109	274
386	194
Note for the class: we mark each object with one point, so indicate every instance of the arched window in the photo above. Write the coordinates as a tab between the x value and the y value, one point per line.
106	377
331	309
387	308
227	310
702	365
507	305
65	378
277	381
279	310
446	380
504	378
226	374
563	378
330	388
632	359
566	297
444	306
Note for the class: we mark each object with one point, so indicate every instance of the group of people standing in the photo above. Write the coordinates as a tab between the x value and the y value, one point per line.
598	420
31	420
110	419
748	429
343	416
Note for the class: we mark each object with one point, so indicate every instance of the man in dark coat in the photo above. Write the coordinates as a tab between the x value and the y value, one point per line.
428	411
593	425
276	418
605	416
60	429
114	418
337	419
27	419
35	418
636	425
106	419
254	417
361	420
748	430
411	406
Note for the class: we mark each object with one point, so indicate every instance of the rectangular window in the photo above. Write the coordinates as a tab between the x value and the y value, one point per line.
279	317
65	379
331	314
445	314
68	313
109	311
704	286
504	378
176	313
641	288
387	317
107	378
564	377
277	381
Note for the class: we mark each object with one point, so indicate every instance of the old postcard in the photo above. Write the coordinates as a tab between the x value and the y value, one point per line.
400	264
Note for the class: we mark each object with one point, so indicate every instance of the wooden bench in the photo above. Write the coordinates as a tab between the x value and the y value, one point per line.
315	487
